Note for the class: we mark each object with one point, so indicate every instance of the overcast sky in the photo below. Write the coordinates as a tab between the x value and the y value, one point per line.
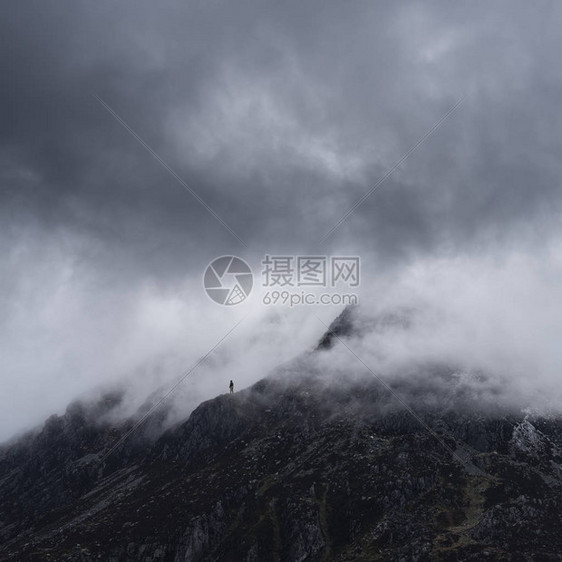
280	116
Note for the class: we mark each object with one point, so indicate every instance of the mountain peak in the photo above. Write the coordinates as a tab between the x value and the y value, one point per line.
342	326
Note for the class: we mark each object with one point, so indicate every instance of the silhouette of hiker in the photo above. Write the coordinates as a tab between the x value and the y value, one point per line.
231	386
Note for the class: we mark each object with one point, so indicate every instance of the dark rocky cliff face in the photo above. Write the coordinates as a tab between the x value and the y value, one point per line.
289	469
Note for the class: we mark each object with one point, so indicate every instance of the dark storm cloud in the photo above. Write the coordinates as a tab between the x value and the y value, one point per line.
281	116
273	113
270	112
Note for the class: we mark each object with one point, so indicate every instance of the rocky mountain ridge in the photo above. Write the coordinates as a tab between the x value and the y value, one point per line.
292	468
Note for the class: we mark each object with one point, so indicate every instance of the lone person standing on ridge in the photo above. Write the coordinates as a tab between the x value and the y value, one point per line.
231	386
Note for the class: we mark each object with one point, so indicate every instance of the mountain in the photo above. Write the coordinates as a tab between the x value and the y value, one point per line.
296	467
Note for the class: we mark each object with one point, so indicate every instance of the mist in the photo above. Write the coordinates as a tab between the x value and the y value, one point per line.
478	314
280	118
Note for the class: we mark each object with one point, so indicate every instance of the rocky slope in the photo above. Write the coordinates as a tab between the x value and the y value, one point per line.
292	468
